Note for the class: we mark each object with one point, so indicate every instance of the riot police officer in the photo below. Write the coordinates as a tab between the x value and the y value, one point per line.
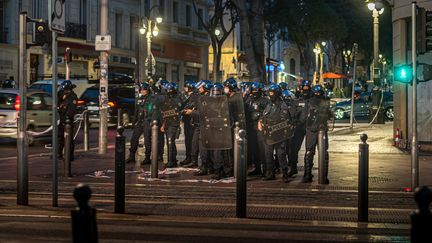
255	105
276	107
296	141
169	117
142	123
188	103
315	115
206	166
221	163
67	100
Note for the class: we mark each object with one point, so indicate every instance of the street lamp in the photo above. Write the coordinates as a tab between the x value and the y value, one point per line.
150	29
377	8
319	52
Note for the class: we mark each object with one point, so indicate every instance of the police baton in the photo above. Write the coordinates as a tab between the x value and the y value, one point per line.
240	161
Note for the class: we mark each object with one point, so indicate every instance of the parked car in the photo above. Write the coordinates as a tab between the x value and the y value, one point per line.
46	85
120	96
39	113
362	105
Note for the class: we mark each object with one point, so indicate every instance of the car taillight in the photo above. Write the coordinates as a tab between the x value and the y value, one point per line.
17	103
80	102
111	104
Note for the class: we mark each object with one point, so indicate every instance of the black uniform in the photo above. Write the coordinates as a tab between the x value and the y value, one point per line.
169	117
189	129
67	110
315	116
142	125
296	141
255	105
276	107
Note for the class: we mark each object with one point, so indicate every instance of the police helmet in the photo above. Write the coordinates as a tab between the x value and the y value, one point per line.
171	87
145	86
231	83
286	94
306	83
283	85
318	90
190	84
274	88
206	84
217	89
163	83
256	86
67	85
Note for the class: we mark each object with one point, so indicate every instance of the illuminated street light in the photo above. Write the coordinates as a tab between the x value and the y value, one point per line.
217	32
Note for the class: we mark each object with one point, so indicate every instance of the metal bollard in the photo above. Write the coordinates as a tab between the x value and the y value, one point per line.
321	157
421	219
363	180
119	117
236	131
154	150
84	227
120	154
86	131
68	136
240	161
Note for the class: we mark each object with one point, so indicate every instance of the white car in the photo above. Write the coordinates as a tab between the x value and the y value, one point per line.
39	113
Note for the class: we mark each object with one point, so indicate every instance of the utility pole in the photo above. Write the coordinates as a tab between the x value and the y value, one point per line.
414	142
354	52
103	86
22	144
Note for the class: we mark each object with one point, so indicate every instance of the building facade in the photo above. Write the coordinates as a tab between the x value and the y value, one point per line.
180	49
401	17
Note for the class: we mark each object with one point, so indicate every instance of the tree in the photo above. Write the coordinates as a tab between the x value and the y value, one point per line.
252	32
221	8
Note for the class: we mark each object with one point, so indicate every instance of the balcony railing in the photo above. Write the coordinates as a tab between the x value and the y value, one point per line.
3	35
74	30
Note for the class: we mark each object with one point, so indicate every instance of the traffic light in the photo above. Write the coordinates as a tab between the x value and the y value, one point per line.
424	30
41	33
403	73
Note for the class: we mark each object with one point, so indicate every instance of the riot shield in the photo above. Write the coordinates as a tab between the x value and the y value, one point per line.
169	110
236	105
277	127
215	127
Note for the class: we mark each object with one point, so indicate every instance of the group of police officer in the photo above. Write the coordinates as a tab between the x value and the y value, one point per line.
275	119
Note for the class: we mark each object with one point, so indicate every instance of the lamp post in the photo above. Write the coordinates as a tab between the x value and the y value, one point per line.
377	114
150	29
377	8
317	51
321	79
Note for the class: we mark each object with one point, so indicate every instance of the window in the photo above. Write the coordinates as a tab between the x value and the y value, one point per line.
83	12
35	102
188	15
118	29
36	9
2	27
292	66
7	101
134	21
201	16
48	101
162	8
147	8
175	12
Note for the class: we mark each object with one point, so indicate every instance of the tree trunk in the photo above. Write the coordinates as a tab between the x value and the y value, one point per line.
253	37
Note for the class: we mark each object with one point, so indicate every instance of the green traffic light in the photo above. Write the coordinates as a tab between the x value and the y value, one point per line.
403	73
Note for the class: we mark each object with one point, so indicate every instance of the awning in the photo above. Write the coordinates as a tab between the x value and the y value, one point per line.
333	75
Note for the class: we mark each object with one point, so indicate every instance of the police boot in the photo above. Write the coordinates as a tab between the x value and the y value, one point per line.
256	171
219	174
202	171
131	158
292	170
186	161
269	175
285	176
192	164
308	164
